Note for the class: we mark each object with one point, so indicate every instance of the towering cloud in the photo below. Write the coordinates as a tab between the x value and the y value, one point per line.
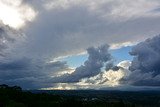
144	70
98	58
56	28
145	66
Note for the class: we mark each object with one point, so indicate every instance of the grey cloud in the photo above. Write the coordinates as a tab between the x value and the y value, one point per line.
147	56
97	59
59	32
8	36
109	65
116	68
154	81
145	65
15	65
29	73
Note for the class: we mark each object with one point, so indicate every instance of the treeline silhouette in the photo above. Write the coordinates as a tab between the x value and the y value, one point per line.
16	97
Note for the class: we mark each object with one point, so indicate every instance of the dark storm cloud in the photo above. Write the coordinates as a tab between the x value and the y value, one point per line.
97	59
29	73
69	27
15	65
147	56
150	82
145	66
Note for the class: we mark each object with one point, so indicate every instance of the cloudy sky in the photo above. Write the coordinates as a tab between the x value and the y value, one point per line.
80	44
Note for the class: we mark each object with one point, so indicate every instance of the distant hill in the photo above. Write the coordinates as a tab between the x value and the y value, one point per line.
16	97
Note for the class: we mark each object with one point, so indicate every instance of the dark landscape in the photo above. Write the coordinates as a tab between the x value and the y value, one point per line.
16	97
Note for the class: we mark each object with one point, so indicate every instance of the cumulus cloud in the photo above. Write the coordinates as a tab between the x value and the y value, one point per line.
110	79
145	65
143	70
107	76
124	64
98	58
36	73
66	27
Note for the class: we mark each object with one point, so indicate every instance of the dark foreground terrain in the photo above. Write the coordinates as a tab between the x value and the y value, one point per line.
15	97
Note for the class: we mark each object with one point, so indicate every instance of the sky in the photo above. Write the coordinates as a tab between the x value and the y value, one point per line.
80	44
119	55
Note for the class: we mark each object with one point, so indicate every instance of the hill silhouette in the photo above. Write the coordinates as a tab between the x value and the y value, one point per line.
16	97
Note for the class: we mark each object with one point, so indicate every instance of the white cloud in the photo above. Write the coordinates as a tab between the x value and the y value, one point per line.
68	70
15	14
110	78
124	64
62	86
145	64
120	45
105	79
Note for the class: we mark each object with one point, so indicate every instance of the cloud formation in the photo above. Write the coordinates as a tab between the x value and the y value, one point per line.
98	58
15	14
142	71
122	9
110	79
8	38
145	65
67	27
29	73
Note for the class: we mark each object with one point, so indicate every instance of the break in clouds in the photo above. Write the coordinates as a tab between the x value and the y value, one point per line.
36	33
98	71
